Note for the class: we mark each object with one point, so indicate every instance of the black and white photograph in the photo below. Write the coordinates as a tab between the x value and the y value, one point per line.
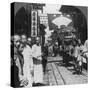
49	44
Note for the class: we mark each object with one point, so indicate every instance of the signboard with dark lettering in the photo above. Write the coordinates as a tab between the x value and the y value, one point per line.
34	23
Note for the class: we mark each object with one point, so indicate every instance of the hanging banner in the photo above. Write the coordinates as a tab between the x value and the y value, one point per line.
33	23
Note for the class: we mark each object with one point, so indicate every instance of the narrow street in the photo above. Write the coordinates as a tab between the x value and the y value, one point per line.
49	44
58	74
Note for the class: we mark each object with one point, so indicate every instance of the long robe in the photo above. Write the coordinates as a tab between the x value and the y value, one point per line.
28	65
38	69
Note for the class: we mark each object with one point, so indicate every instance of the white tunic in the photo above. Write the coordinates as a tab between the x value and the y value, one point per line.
28	64
38	70
85	49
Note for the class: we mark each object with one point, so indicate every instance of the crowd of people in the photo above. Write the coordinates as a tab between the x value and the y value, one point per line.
78	54
26	62
73	51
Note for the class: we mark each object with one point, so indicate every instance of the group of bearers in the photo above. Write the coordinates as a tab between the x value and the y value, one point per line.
26	62
78	53
73	51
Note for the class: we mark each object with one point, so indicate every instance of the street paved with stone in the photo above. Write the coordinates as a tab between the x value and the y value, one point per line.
58	74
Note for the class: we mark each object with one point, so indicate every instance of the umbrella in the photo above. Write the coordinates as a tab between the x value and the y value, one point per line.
62	20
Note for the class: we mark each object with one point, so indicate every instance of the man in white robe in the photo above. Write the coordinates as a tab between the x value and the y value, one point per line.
37	59
28	63
85	52
86	48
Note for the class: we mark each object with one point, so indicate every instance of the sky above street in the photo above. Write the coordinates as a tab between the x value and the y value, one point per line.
51	8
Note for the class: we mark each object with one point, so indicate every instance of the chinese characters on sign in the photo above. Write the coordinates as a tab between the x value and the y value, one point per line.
34	23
